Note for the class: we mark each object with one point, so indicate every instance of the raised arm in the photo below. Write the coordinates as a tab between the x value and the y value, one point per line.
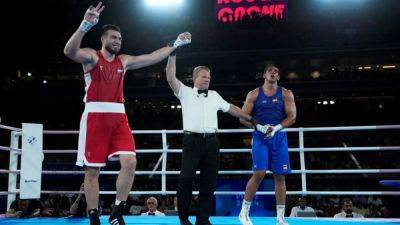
173	82
136	62
72	49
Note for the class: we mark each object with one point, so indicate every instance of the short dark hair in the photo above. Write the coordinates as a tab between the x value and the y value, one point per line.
302	197
108	27
270	65
345	200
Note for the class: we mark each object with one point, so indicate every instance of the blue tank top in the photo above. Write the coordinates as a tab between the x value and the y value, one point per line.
269	109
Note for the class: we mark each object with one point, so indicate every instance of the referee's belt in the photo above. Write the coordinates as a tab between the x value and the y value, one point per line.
204	135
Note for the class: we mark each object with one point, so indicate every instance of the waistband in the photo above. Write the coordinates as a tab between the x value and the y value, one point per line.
204	135
104	107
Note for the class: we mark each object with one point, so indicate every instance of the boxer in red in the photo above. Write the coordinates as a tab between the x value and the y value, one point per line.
104	129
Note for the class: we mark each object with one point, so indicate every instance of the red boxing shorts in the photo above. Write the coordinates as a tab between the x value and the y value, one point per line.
104	133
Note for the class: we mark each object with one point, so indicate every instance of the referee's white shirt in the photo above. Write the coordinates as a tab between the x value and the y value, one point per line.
157	213
199	112
297	209
343	215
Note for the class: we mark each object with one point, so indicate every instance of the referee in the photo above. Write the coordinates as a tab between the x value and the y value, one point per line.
200	141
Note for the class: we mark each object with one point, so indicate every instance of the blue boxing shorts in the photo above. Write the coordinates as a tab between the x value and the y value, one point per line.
271	153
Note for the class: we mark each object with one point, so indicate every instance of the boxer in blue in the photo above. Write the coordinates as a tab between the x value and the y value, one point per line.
274	106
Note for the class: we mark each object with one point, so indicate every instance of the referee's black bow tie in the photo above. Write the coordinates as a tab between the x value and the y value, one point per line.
203	91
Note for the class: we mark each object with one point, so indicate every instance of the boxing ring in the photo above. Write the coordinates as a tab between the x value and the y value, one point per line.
15	150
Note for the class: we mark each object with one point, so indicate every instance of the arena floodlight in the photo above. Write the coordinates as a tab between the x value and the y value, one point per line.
164	3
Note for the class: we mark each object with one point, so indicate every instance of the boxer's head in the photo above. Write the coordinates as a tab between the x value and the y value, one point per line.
271	73
111	38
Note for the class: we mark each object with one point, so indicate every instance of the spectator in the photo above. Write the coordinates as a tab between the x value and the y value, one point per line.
302	207
24	208
135	207
78	208
52	206
65	204
152	206
173	209
176	203
347	212
385	212
375	200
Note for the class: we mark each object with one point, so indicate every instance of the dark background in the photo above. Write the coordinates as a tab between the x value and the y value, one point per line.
326	50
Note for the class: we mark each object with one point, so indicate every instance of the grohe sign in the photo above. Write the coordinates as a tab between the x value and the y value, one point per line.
234	10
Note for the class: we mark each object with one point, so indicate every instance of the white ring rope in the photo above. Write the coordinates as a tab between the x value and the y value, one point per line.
222	172
10	128
16	132
5	148
228	150
226	192
305	129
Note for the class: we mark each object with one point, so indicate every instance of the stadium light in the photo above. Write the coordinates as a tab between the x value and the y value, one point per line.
389	66
154	3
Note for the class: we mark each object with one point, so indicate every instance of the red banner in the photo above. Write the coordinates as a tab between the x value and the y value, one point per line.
235	10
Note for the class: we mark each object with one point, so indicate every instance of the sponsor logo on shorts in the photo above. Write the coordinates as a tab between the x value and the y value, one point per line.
285	167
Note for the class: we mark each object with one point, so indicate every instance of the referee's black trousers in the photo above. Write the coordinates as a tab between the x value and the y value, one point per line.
199	151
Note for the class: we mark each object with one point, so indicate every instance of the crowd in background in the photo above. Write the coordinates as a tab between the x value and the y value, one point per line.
56	205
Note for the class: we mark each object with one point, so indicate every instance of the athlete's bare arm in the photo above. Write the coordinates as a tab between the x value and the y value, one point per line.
73	50
290	108
136	62
248	106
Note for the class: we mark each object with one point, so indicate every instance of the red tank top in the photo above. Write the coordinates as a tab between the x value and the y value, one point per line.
105	82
